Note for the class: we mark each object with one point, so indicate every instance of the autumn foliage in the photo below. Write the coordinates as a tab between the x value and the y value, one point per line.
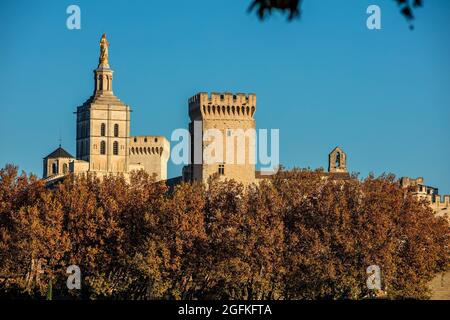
296	236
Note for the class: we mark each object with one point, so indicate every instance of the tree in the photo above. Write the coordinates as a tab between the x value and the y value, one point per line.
293	7
336	229
301	235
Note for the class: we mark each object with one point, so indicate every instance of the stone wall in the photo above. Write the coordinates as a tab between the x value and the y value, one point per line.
440	287
150	153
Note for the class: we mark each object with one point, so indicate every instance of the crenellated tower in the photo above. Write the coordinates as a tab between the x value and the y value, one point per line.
232	117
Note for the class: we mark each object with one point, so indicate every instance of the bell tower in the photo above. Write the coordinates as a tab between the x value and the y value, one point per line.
337	161
103	122
103	74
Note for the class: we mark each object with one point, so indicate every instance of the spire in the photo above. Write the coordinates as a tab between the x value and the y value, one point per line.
103	74
103	59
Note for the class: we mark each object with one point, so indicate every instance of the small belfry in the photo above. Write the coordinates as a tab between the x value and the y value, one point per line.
337	161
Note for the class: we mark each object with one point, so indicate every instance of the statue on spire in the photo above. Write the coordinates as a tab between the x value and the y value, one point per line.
103	60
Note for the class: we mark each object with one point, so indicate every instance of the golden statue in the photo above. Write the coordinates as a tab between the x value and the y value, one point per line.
103	60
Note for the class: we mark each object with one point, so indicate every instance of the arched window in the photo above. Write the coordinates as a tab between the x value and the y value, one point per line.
102	147
65	168
116	130
115	148
338	160
54	168
102	129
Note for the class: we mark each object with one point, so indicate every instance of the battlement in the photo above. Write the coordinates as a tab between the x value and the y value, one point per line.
147	140
441	200
227	98
148	145
418	185
224	104
439	204
407	182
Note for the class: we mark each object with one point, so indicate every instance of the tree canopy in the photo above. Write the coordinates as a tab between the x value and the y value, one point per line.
296	236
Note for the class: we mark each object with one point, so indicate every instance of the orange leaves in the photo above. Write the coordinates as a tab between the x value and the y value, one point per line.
300	235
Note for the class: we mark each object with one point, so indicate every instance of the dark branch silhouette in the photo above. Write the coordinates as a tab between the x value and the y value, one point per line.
293	8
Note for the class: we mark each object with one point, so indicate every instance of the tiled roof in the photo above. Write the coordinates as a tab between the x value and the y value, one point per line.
59	153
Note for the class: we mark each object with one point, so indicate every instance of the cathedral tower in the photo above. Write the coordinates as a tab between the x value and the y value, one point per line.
103	123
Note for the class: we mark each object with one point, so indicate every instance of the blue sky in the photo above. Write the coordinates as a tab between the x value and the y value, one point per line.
324	80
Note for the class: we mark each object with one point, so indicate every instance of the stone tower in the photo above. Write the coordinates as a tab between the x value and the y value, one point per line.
103	123
337	161
227	117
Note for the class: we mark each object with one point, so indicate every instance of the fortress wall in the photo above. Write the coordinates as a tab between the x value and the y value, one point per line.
440	286
150	153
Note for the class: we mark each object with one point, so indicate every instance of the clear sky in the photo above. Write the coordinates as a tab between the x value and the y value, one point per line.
324	80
